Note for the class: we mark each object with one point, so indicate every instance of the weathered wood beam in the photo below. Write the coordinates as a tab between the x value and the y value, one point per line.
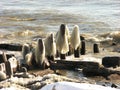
72	65
11	47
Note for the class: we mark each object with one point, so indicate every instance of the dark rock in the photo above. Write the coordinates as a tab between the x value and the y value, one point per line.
112	61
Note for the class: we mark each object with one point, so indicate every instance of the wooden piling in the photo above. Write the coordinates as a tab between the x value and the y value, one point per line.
95	48
83	48
50	58
77	52
57	54
4	57
62	56
70	52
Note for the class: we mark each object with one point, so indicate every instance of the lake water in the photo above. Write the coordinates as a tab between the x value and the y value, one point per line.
25	20
91	15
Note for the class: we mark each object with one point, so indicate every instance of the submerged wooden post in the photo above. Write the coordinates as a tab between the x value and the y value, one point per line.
50	58
95	48
83	48
70	50
62	56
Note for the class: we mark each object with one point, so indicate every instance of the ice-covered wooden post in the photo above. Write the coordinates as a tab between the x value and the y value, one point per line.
25	50
50	47
40	52
41	61
75	41
62	41
4	57
68	37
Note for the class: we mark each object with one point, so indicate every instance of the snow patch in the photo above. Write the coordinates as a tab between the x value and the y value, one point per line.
75	86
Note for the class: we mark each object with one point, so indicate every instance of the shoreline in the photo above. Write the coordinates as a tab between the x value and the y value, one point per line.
108	51
97	80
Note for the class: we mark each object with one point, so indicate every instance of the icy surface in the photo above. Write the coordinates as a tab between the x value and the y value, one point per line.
75	86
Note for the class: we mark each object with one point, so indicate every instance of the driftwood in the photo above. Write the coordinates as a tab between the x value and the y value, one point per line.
11	47
71	65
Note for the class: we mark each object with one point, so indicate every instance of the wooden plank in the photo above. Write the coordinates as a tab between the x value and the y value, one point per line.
71	65
11	47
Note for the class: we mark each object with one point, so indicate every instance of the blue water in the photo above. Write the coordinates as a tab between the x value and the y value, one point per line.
90	15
